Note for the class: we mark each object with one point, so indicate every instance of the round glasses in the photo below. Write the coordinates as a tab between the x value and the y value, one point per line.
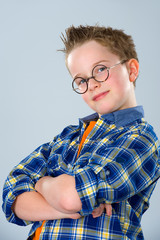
100	73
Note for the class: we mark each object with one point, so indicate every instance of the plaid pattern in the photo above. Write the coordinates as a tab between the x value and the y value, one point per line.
119	163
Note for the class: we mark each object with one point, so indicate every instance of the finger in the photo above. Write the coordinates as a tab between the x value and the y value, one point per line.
74	216
95	213
108	208
98	211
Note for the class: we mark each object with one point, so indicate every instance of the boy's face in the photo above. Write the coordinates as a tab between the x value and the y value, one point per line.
117	92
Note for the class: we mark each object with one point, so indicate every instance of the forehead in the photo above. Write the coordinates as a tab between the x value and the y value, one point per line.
83	58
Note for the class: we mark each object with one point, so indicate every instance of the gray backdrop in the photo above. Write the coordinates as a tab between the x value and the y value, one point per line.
36	97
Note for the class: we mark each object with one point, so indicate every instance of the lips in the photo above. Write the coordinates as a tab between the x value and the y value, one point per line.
100	96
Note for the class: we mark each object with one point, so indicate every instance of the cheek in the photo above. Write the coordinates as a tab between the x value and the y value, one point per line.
121	89
120	84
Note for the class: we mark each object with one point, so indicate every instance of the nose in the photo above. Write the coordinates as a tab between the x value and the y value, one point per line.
92	84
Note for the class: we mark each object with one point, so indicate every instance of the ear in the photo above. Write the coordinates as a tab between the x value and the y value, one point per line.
133	69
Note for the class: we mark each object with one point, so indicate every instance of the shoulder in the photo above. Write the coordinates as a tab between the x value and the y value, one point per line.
146	130
138	134
141	135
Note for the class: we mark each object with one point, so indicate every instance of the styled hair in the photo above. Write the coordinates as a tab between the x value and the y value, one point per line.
118	42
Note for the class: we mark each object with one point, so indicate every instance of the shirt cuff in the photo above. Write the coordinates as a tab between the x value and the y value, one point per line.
86	186
7	206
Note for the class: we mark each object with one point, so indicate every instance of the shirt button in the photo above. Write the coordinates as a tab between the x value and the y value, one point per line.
69	166
107	173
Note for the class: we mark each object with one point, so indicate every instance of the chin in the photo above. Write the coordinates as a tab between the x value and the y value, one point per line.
103	112
103	109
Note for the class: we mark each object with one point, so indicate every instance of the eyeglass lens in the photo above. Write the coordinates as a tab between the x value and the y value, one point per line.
100	73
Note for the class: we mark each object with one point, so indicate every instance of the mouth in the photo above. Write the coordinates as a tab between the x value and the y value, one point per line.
100	96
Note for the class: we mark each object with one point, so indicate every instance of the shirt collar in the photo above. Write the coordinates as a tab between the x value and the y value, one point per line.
119	118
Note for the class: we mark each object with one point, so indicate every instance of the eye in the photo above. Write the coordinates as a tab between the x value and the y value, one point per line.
80	81
99	69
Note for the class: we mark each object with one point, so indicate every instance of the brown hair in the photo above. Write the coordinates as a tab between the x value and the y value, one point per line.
117	41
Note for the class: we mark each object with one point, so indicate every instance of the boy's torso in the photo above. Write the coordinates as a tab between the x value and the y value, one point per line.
63	160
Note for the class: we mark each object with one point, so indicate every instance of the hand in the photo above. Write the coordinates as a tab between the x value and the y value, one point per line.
97	212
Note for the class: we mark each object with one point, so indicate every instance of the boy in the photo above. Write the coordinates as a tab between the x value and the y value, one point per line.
110	160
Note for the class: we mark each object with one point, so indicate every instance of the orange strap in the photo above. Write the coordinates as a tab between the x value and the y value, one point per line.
38	232
86	132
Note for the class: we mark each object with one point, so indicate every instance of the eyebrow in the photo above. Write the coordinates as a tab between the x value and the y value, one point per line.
101	61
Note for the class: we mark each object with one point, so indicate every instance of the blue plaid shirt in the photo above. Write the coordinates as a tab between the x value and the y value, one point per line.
119	164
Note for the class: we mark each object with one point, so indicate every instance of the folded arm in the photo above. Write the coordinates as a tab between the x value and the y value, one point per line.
31	206
22	205
60	193
127	170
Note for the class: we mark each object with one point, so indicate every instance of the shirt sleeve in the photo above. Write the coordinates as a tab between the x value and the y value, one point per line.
22	179
118	170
